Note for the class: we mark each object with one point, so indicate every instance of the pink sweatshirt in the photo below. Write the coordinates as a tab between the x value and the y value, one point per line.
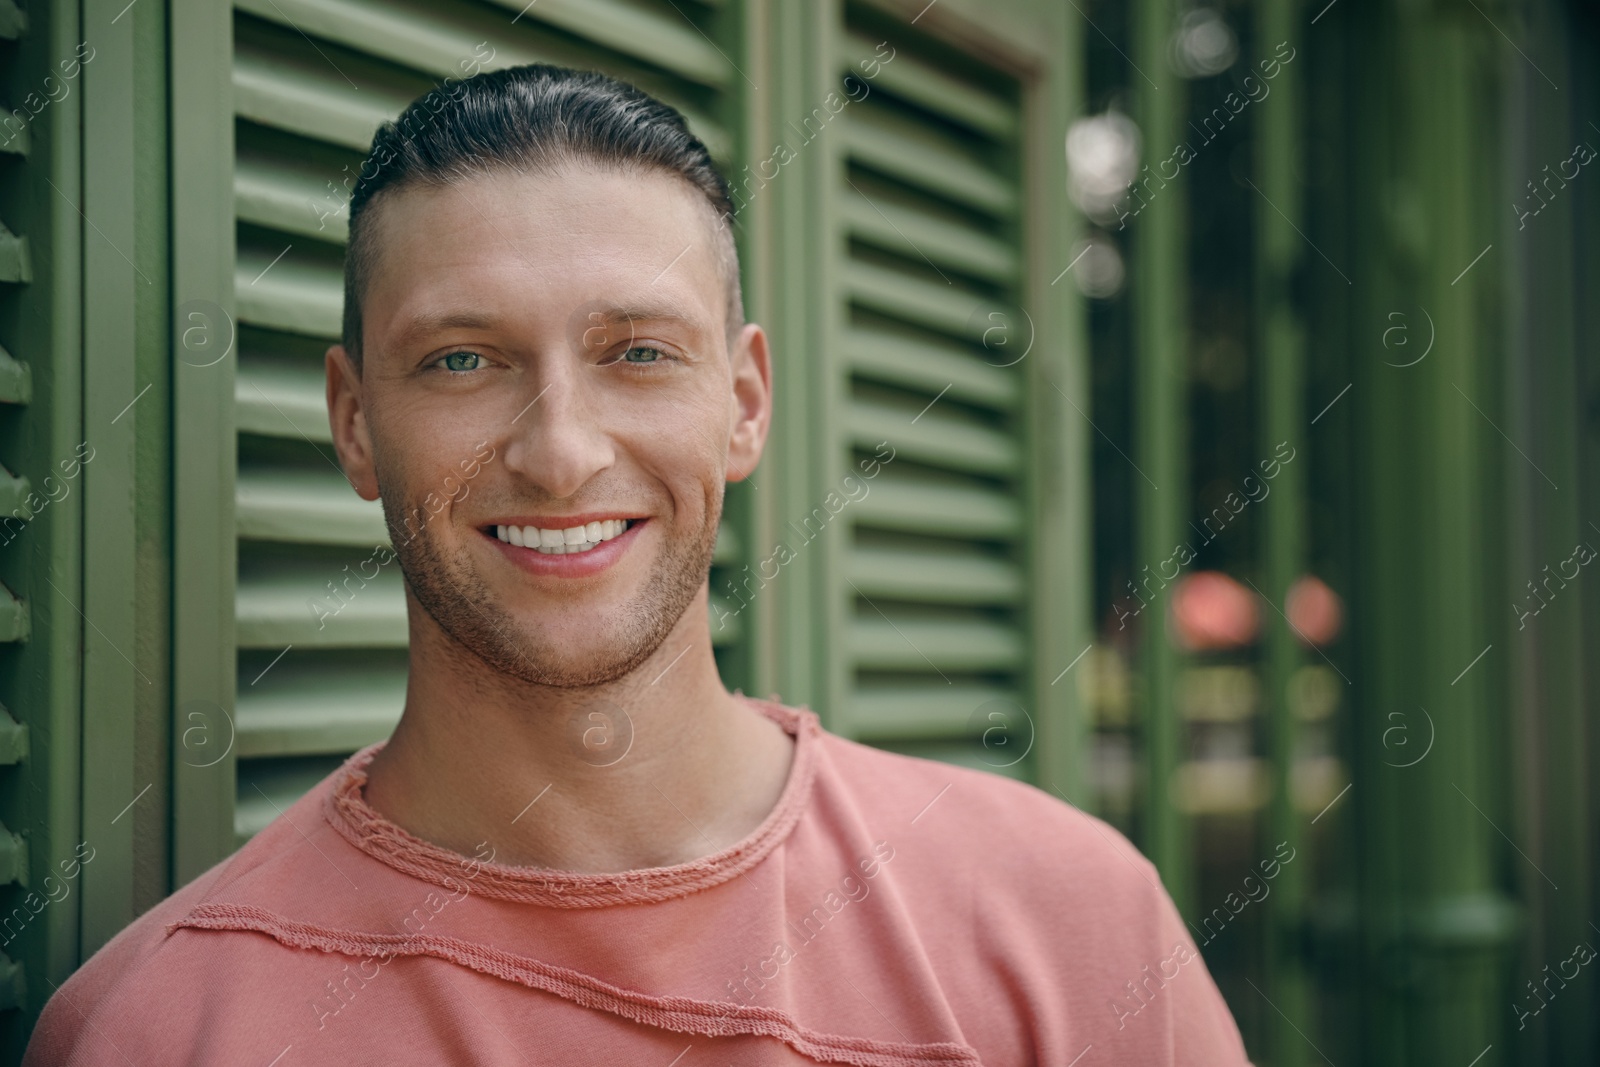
889	911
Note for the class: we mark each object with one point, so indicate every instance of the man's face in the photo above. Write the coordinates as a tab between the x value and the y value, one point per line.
574	322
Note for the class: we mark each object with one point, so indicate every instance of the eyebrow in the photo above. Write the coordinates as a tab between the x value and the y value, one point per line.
646	313
425	325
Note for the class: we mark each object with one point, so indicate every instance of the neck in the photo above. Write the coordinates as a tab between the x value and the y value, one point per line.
652	770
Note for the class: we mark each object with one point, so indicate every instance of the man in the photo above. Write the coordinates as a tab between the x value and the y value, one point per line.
578	846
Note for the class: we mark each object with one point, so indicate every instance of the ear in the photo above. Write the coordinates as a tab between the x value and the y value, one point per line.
752	394
349	423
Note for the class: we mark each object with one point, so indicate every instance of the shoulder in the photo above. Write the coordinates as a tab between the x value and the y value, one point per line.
1010	865
76	1001
1059	906
993	823
152	970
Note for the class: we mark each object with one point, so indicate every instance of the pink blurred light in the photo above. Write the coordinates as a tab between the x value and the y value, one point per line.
1314	610
1212	611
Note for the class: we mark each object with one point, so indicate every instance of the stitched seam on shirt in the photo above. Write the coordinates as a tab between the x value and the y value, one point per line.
679	1014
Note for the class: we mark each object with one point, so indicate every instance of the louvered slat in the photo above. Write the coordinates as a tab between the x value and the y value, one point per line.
915	234
953	508
298	608
16	380
908	642
654	35
935	438
924	159
909	710
291	196
313	100
290	294
320	712
282	400
927	302
926	366
305	506
939	577
920	81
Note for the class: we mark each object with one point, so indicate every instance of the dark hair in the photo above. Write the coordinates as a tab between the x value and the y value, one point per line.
530	118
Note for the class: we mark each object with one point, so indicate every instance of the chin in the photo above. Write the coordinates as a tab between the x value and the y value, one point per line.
564	666
580	675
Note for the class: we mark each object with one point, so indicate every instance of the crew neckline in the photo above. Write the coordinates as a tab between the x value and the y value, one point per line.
347	810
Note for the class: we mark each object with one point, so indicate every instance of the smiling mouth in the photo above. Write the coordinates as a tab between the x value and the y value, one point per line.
571	541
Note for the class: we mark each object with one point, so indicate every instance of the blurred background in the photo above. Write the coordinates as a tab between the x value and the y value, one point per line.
1226	372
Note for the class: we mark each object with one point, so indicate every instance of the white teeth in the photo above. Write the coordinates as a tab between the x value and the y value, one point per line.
562	542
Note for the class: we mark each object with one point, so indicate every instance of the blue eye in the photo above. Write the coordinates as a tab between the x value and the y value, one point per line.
644	366
446	361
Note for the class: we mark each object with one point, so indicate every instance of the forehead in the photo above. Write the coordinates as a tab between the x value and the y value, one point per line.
545	244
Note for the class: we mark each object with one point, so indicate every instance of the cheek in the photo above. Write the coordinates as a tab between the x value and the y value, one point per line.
419	459
682	441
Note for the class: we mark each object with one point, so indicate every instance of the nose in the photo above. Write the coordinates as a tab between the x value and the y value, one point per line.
560	439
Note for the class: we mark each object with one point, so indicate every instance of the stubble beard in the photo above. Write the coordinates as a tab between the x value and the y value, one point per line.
453	592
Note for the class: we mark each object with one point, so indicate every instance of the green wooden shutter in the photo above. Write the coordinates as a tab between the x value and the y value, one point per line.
935	572
16	393
312	79
41	483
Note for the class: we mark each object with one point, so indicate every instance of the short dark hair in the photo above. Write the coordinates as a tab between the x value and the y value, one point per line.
530	118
